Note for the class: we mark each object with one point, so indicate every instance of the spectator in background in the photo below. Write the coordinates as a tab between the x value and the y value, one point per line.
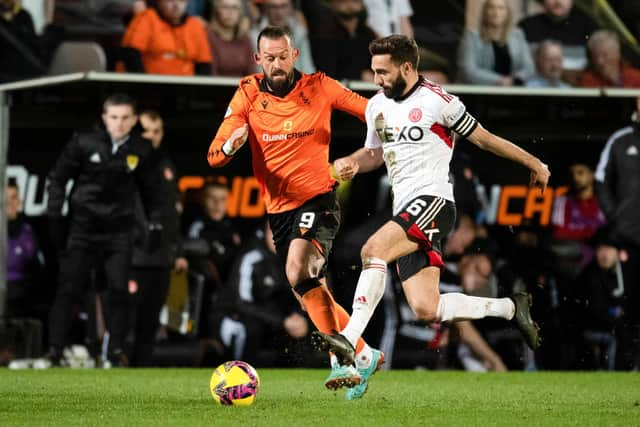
25	310
617	183
548	58
20	56
164	40
340	39
520	9
108	167
229	40
576	215
575	220
387	17
281	13
496	54
606	66
151	269
561	21
22	257
257	308
222	238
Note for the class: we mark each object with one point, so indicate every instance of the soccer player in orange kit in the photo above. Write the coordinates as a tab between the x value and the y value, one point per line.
286	117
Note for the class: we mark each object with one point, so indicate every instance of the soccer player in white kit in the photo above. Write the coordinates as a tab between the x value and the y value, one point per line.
409	127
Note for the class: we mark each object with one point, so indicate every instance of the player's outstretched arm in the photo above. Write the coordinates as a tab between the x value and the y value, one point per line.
362	160
488	141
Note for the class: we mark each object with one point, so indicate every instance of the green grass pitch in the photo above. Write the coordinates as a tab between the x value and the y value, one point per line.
296	397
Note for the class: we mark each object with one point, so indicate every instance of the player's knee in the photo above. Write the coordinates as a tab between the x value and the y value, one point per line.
298	271
294	277
370	249
293	271
425	310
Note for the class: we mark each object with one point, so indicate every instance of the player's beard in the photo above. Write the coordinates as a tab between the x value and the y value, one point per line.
396	89
282	86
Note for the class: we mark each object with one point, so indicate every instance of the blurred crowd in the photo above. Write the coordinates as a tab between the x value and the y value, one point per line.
210	290
547	43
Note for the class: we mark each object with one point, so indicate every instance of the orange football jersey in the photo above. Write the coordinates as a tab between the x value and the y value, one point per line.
289	137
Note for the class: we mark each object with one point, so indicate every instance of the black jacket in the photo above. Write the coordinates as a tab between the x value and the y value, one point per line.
618	184
105	184
170	244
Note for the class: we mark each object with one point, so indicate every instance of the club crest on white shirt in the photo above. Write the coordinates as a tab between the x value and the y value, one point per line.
415	115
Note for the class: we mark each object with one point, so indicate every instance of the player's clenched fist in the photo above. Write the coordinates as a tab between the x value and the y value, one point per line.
236	140
346	168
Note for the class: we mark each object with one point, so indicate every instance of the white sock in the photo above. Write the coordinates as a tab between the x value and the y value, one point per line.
363	358
455	306
369	292
333	359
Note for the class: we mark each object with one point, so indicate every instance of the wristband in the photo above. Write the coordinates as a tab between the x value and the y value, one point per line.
227	148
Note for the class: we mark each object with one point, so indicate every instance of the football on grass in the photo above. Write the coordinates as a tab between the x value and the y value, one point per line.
234	383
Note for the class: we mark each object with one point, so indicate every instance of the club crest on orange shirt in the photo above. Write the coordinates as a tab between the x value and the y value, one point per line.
288	125
132	161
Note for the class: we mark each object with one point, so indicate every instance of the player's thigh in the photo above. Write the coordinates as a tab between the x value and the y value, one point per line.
427	220
389	243
304	236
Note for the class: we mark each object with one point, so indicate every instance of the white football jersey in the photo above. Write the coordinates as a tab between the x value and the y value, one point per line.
415	135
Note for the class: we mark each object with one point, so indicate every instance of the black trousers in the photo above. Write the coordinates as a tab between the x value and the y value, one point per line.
628	352
153	285
109	254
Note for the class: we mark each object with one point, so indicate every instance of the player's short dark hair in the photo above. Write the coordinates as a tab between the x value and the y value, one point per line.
272	32
120	99
401	48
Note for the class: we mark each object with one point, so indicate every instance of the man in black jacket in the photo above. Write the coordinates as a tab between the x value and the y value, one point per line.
617	183
108	167
151	269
